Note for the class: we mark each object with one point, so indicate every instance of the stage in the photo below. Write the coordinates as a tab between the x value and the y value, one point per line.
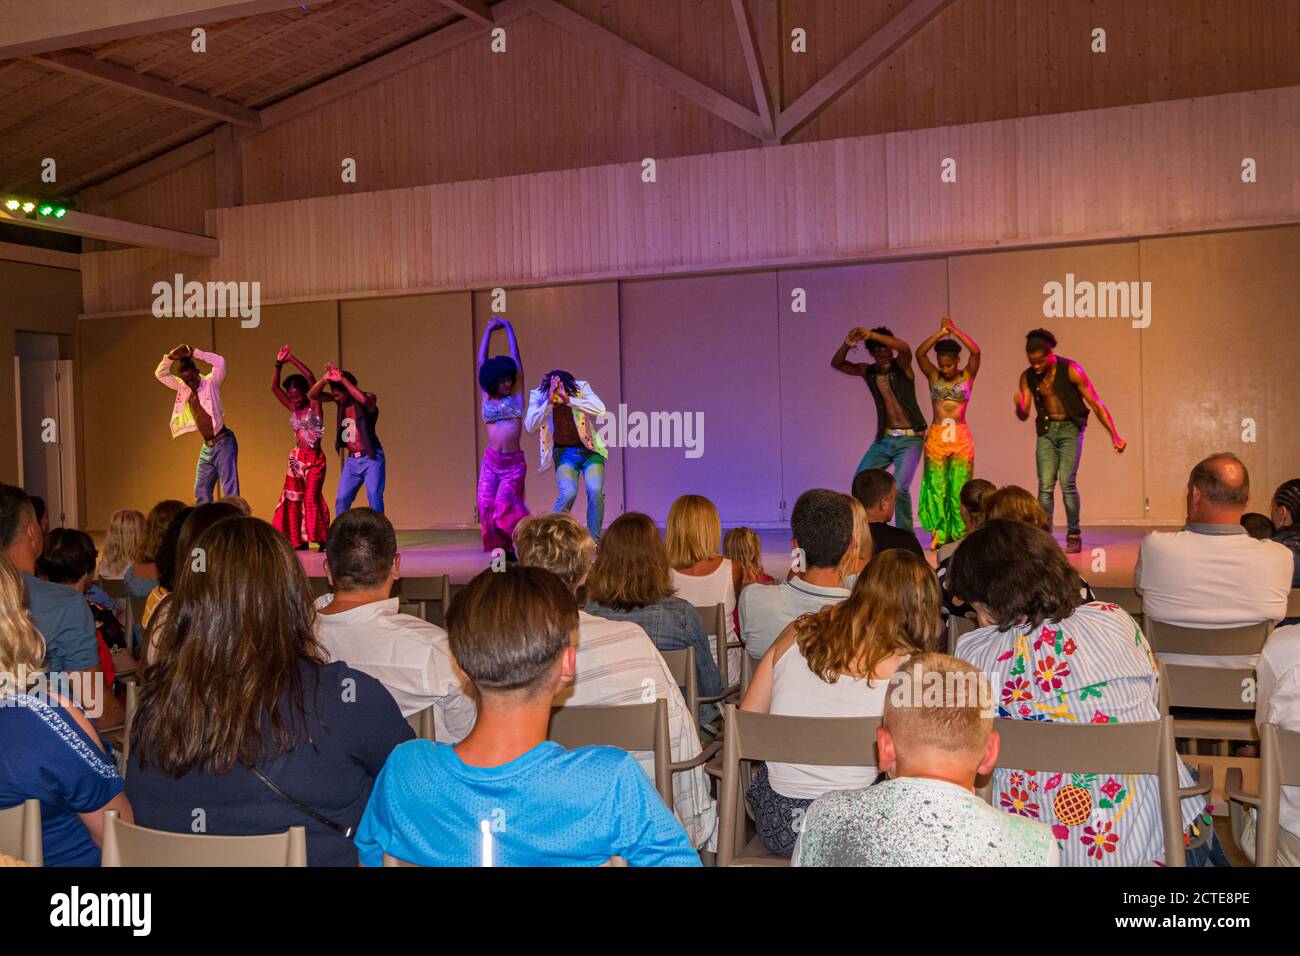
460	554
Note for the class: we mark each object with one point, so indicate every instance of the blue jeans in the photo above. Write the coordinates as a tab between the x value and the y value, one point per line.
569	461
1058	454
357	471
903	453
217	461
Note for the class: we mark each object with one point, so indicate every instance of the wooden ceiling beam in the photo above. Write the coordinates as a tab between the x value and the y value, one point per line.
473	9
749	44
858	64
118	230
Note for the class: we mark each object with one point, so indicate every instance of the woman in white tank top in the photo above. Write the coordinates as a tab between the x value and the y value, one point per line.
837	663
701	574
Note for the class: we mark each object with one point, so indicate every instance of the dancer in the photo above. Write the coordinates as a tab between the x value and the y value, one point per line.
1062	402
301	512
899	422
949	447
560	405
198	408
356	440
501	477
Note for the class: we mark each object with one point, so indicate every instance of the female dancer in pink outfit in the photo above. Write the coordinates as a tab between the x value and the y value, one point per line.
501	479
301	512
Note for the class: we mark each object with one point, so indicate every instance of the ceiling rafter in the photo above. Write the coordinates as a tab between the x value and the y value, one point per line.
473	9
763	98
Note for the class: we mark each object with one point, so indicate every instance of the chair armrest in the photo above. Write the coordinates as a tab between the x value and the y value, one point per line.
730	693
1204	783
1234	788
714	767
703	757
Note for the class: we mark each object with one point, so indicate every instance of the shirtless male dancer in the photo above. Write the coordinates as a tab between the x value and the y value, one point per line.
1062	394
197	407
900	426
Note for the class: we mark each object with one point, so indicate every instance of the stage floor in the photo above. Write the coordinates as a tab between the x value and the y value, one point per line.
460	554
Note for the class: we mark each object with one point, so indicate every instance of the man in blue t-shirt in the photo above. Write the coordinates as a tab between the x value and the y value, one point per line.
60	613
505	796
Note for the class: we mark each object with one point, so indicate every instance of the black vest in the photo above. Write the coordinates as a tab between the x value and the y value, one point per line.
1071	398
904	390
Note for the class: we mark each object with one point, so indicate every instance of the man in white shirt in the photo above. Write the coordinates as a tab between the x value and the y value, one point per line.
359	624
1277	702
1212	574
617	663
197	407
821	526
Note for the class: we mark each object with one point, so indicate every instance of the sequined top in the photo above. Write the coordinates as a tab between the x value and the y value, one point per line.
499	409
945	391
307	425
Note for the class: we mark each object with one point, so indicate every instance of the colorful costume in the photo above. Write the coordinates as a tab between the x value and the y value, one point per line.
501	480
949	464
302	514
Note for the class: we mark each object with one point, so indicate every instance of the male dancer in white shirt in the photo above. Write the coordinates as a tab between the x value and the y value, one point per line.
198	408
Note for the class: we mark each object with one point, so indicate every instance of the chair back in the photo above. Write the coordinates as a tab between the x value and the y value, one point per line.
132	702
1208	688
126	844
425	591
134	615
20	832
681	665
749	736
1144	747
114	588
1279	767
412	608
631	727
957	626
1219	641
1126	598
423	724
1293	603
714	619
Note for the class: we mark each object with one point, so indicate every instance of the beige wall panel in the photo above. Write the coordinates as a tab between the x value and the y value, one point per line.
1223	346
412	352
827	418
259	421
997	299
570	327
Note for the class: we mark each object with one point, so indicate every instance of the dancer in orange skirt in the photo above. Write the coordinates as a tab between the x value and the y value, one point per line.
949	447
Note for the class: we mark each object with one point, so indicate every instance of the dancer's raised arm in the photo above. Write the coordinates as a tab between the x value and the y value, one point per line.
841	362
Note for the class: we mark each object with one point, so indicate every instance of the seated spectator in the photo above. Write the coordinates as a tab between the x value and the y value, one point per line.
927	813
701	575
51	751
1051	657
59	613
1258	526
821	529
860	551
168	568
42	513
125	535
617	663
1286	523
837	663
282	738
505	795
1277	702
1212	574
141	576
360	624
631	581
69	559
973	495
744	548
244	507
874	489
193	522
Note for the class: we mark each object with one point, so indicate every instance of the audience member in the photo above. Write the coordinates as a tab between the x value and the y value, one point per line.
51	751
631	581
744	548
933	746
360	624
821	530
617	663
1277	702
125	535
1258	526
874	489
701	575
42	513
166	562
1286	523
282	738
837	663
860	551
1054	658
512	635
1212	574
971	507
244	507
142	575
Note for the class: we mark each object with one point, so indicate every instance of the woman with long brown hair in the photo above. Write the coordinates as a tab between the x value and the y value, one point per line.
631	581
52	752
837	663
242	716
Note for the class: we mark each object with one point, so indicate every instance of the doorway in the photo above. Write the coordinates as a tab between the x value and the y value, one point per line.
47	448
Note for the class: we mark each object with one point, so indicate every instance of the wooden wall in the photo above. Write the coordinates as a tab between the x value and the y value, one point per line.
1073	177
778	420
